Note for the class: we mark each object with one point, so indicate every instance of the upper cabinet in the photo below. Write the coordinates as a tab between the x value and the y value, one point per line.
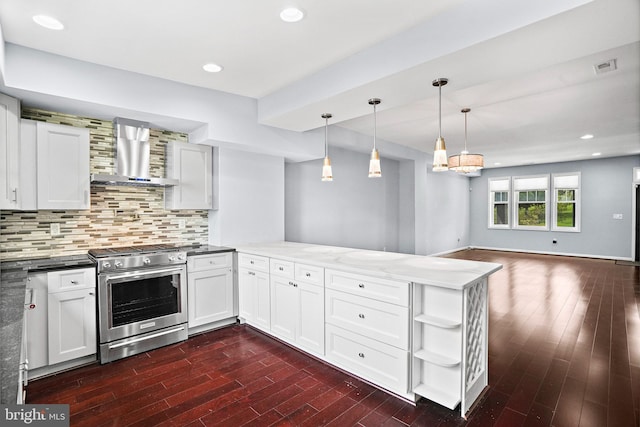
63	167
192	165
10	191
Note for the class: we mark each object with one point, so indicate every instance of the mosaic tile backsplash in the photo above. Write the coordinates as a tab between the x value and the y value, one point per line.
119	216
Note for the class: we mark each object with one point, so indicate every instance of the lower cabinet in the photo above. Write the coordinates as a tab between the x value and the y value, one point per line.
72	324
297	314
254	306
210	290
61	327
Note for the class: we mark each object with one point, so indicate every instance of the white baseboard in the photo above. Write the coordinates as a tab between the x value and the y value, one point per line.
552	253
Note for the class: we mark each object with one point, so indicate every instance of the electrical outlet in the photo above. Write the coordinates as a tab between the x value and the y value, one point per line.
54	228
617	216
182	224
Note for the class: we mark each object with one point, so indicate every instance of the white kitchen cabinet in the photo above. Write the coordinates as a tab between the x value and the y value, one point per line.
211	296
446	321
71	314
37	319
368	328
254	294
10	152
192	165
63	167
297	304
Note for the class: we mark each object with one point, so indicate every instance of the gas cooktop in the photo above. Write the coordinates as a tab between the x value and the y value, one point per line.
132	250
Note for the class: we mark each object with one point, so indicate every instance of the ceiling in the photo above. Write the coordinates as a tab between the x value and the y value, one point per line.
526	69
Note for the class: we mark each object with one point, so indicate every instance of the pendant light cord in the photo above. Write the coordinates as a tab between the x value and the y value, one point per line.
374	126
440	110
465	131
326	131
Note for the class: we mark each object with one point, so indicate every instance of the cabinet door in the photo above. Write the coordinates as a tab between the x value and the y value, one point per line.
72	325
9	152
263	301
310	328
284	308
63	167
37	339
192	165
247	287
210	294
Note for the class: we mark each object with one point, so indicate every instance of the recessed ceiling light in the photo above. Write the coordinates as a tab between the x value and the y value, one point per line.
212	68
586	136
48	22
596	154
291	14
497	164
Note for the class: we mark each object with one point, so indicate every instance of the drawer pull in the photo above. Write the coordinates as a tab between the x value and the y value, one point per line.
308	274
361	316
361	285
251	273
361	355
74	282
251	262
280	268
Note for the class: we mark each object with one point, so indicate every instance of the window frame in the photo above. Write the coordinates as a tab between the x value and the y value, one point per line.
577	201
492	202
516	201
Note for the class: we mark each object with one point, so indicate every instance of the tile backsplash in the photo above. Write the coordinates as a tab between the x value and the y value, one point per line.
119	216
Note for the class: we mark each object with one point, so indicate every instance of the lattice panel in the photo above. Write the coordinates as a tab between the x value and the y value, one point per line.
476	304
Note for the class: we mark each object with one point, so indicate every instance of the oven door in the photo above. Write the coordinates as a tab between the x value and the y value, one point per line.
141	301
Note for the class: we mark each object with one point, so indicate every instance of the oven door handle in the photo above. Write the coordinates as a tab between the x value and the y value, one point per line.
146	337
137	274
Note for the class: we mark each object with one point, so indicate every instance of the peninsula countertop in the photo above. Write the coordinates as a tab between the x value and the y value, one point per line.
443	272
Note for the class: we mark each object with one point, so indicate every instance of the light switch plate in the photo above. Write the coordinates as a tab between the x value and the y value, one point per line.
54	229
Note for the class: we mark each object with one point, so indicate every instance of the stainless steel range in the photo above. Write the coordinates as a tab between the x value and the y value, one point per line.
142	299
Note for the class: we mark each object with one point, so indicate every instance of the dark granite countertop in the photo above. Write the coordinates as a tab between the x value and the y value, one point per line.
13	283
205	249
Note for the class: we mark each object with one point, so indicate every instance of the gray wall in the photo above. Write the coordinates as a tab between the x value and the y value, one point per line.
250	190
606	189
352	210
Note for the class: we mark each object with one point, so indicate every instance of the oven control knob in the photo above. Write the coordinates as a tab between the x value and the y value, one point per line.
146	261
106	265
118	264
181	257
172	258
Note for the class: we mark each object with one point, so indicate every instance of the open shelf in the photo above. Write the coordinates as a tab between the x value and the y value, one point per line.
437	321
436	359
437	395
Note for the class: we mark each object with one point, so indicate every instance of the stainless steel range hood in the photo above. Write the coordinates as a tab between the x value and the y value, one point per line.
131	157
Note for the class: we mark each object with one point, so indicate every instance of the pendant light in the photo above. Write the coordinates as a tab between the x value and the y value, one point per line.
465	162
374	163
327	174
440	151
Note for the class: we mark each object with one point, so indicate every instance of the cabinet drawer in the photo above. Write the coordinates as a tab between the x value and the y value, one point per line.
253	262
372	360
67	280
209	261
371	287
309	274
381	321
281	268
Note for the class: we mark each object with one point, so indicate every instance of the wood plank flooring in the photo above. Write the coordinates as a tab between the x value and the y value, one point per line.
564	350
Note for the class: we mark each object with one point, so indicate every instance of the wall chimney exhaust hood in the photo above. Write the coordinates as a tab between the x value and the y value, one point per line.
132	155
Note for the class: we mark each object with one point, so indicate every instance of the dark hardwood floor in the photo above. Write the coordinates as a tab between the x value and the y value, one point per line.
564	350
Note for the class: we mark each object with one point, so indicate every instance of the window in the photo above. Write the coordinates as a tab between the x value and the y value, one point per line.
566	190
499	202
531	207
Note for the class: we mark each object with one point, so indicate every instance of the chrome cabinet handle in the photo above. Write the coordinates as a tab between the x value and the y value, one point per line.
74	282
361	355
361	285
15	195
251	273
280	268
361	316
308	274
251	262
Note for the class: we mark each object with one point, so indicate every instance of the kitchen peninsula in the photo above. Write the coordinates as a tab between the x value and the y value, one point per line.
413	325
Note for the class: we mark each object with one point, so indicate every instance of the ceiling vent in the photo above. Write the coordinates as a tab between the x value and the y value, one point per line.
605	67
